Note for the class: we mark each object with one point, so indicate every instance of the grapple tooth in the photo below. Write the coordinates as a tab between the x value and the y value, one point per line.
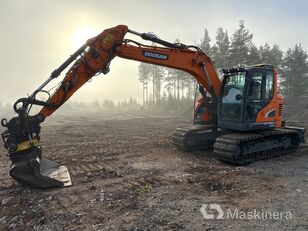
30	169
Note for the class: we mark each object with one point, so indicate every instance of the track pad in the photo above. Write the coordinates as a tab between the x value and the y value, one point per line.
30	169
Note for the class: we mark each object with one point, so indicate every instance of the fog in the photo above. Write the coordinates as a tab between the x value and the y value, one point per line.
38	35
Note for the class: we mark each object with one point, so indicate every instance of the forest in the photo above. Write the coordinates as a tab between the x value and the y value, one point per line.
166	89
170	89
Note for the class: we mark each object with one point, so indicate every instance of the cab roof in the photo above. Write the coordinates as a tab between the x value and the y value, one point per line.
248	68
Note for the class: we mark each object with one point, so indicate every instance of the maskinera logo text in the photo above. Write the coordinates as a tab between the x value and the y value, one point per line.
214	211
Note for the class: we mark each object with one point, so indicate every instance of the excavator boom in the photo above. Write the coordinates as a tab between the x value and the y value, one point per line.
98	52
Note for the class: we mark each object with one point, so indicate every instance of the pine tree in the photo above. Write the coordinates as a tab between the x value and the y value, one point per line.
157	75
178	78
253	55
144	71
169	83
295	72
221	49
205	43
271	55
265	53
240	44
277	56
190	86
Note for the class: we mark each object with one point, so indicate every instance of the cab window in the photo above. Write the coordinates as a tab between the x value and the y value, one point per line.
234	86
269	85
255	86
231	106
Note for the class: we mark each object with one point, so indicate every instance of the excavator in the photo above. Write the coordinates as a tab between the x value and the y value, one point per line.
238	115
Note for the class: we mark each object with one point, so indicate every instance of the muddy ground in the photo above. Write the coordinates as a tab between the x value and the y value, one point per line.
128	176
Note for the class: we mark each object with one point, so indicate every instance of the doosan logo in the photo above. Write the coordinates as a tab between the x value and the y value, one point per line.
155	55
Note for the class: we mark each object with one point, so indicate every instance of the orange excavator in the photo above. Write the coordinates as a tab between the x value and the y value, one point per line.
239	116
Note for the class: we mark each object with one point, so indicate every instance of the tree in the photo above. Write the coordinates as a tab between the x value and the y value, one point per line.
295	72
205	43
144	71
177	77
265	53
221	49
253	55
170	83
271	55
190	85
157	75
277	56
177	80
241	42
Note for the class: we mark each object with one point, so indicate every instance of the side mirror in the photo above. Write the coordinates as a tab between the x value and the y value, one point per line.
238	97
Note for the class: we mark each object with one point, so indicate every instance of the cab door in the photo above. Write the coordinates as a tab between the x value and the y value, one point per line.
259	94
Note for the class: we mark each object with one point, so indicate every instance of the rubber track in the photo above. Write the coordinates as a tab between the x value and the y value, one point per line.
229	147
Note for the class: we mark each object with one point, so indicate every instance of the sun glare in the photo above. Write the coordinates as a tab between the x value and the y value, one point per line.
82	35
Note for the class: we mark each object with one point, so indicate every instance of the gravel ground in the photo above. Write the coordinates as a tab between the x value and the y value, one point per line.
127	176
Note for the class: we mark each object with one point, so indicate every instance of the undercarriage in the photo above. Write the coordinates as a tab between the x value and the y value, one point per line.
239	148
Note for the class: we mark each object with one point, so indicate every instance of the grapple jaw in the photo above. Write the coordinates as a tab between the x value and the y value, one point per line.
30	169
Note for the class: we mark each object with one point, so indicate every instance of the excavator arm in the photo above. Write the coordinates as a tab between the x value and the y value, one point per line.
21	137
97	53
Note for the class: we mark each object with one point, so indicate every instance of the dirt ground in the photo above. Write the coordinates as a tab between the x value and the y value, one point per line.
127	176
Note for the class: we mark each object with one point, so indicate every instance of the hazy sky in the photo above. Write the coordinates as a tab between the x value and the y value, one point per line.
38	35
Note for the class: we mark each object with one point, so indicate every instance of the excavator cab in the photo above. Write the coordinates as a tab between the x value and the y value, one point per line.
249	99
